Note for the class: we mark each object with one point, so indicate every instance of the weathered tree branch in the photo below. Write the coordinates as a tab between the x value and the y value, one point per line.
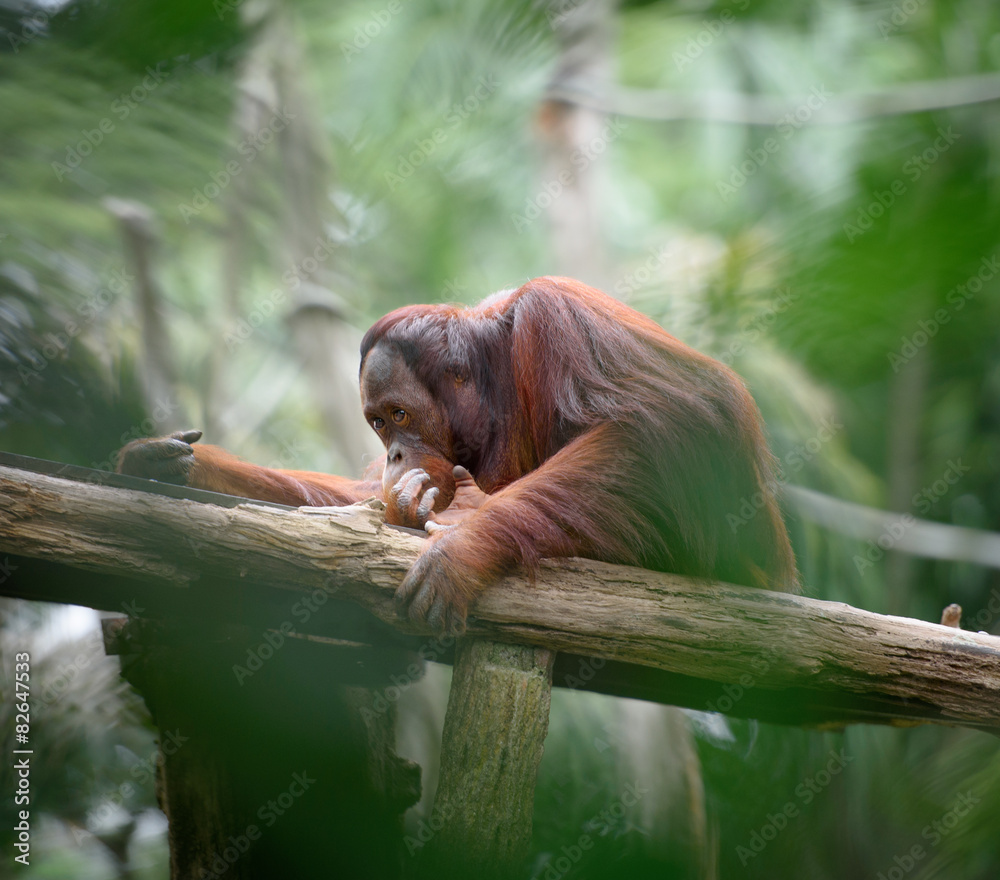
769	110
728	647
917	537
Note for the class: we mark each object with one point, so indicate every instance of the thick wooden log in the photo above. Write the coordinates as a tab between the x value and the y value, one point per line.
494	730
826	654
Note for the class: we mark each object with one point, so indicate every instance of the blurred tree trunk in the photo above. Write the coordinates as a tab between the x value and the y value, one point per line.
575	140
157	366
309	257
907	391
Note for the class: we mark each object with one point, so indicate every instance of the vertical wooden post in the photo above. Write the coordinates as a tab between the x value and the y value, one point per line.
494	731
286	770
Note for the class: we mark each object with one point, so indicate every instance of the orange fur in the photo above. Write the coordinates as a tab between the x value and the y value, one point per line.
592	431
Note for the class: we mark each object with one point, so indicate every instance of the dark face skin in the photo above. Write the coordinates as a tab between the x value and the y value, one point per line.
416	432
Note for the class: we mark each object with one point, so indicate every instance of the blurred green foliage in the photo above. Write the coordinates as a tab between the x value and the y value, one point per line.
817	258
